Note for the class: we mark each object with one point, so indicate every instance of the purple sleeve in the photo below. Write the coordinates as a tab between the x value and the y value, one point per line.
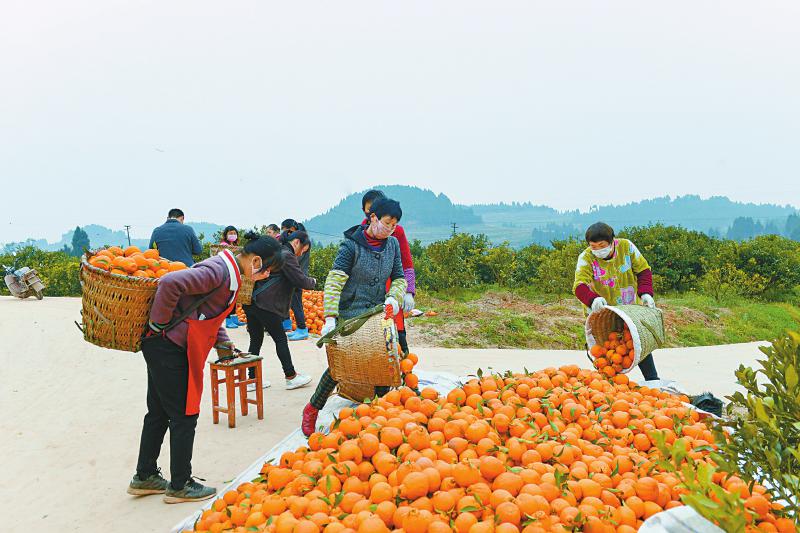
222	335
645	282
411	278
585	294
200	279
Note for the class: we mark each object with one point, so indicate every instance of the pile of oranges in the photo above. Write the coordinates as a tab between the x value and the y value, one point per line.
615	354
407	364
562	449
133	262
240	314
312	307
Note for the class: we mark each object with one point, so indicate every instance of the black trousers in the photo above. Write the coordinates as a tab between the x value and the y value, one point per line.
167	382
648	368
401	337
258	321
297	307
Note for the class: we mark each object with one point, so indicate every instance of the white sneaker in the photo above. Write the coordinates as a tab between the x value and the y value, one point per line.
266	384
298	381
251	387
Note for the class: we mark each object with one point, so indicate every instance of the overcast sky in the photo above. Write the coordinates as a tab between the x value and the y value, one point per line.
247	112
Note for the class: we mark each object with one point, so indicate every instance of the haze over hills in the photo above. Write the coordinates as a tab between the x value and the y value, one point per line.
429	217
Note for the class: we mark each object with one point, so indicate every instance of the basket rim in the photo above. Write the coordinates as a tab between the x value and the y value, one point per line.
133	279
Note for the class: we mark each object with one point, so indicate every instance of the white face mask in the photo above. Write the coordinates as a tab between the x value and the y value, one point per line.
603	253
232	237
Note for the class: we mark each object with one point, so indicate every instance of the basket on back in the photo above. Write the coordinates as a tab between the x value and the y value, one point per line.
363	351
115	308
645	324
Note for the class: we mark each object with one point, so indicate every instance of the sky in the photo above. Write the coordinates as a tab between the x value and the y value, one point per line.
248	112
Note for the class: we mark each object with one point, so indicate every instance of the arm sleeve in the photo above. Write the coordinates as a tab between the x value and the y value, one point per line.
583	273
638	262
222	335
197	248
294	274
644	282
399	284
334	284
192	281
585	294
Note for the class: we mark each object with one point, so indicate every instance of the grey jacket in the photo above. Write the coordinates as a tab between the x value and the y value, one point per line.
367	270
176	241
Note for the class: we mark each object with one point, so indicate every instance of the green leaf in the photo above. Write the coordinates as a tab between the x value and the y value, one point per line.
791	378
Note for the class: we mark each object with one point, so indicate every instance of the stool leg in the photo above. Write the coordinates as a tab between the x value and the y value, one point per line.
259	392
214	396
243	390
231	392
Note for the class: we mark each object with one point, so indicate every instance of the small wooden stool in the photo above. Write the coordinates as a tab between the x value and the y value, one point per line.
235	376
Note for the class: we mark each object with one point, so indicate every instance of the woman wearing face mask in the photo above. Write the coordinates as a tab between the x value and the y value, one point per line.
612	271
230	237
271	300
367	257
185	323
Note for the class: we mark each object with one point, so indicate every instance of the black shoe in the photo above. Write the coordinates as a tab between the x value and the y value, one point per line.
154	484
191	492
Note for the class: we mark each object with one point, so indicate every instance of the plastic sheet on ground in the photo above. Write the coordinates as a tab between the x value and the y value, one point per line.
441	381
678	520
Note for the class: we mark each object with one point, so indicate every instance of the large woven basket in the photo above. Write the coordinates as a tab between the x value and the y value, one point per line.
115	308
364	351
355	392
217	248
645	324
245	295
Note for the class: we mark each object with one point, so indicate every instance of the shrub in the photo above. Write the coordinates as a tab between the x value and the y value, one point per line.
772	258
320	263
556	272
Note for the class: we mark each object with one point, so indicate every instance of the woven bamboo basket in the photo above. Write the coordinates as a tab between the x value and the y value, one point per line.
355	392
645	324
115	308
364	351
217	248
245	296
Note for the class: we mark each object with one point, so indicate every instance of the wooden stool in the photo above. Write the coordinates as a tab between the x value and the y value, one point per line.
235	376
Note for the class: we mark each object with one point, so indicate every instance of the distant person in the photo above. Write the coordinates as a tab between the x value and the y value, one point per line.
369	198
301	333
175	240
230	237
271	303
612	271
273	231
367	255
288	227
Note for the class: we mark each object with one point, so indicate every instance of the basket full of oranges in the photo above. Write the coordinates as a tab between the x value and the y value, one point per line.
620	337
118	288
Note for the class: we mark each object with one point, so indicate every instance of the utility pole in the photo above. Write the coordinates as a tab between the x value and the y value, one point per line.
454	228
128	231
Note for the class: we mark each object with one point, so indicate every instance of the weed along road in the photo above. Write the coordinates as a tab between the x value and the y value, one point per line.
73	412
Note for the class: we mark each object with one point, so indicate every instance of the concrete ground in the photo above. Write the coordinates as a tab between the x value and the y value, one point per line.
72	415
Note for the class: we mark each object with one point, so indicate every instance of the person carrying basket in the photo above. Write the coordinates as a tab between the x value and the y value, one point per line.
367	257
612	271
185	323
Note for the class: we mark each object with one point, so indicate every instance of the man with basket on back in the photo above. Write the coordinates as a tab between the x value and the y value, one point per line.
367	257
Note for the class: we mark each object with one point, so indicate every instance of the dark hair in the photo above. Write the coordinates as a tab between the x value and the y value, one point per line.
274	227
386	206
371	196
227	230
300	226
599	232
300	235
175	213
289	223
268	249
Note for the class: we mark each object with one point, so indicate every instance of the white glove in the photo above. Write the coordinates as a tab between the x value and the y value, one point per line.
648	301
330	325
395	306
408	302
598	303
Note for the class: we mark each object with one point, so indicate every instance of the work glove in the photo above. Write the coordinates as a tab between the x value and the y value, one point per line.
598	303
408	302
330	325
648	301
393	302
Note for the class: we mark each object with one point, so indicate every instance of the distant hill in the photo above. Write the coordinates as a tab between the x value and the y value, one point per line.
429	217
102	236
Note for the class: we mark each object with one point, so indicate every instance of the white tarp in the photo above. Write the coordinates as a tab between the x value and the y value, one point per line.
442	382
